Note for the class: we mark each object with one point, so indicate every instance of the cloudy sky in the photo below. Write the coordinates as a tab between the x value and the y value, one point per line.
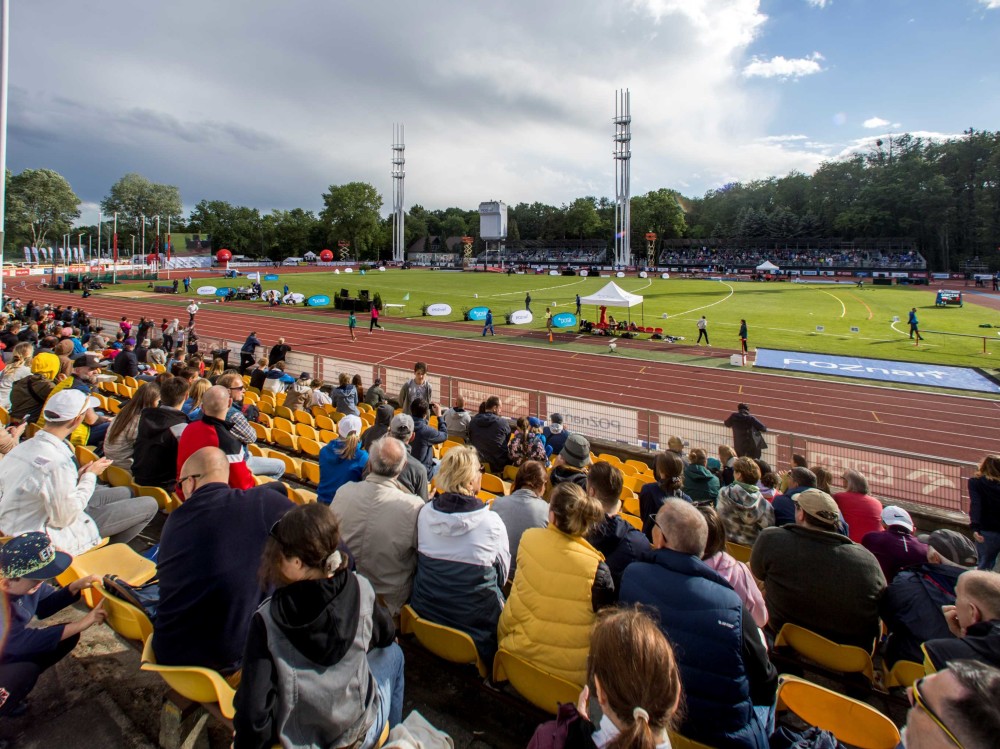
267	102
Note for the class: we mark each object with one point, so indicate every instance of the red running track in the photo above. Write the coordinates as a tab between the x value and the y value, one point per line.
955	427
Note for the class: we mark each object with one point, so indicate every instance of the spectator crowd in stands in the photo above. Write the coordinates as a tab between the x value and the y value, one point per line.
725	258
666	609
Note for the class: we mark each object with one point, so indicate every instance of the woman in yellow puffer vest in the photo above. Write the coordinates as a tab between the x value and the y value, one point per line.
562	583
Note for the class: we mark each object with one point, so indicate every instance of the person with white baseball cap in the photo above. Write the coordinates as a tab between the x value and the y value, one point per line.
342	460
42	489
895	547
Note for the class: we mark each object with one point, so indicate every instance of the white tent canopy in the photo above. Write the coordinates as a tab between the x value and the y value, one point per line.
767	265
612	295
310	255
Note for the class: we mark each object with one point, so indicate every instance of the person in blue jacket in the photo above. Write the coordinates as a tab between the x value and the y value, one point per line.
488	323
248	351
26	561
342	460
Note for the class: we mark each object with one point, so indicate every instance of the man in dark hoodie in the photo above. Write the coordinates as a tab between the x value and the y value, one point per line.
248	350
616	539
489	433
974	620
911	608
746	431
424	435
555	433
383	416
572	462
208	580
154	459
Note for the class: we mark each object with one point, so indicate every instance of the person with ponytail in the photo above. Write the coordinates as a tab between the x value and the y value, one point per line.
341	461
633	678
526	444
17	368
668	470
320	667
561	582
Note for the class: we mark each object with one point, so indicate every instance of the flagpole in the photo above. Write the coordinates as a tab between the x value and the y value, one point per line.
114	267
168	248
4	49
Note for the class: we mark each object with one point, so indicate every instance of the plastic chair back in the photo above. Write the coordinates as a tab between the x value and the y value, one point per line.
739	552
851	721
681	742
197	684
164	500
310	471
495	484
113	559
847	659
634	521
540	688
903	674
451	644
125	619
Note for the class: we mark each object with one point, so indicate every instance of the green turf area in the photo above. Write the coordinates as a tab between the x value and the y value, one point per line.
779	315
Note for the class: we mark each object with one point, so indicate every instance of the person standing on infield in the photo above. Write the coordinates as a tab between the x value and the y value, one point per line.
703	330
527	301
914	324
743	335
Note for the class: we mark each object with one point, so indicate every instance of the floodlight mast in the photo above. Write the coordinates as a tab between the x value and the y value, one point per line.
398	178
4	49
623	173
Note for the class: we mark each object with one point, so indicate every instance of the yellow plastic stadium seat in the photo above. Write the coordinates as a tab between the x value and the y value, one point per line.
847	659
327	435
280	422
250	398
330	409
197	684
680	742
124	618
306	430
4	416
486	496
114	559
628	470
635	483
246	379
540	688
628	494
612	459
163	499
903	674
262	432
254	449
739	552
261	480
509	472
851	721
310	471
451	644
284	413
131	382
310	447
495	484
255	391
113	406
630	505
293	467
301	496
447	445
302	417
285	439
366	407
118	477
638	465
266	406
635	522
84	454
324	422
336	415
265	420
317	411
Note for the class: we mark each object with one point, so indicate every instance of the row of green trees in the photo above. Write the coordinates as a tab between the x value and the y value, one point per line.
945	195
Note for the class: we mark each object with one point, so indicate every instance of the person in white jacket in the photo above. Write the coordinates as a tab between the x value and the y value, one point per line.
41	488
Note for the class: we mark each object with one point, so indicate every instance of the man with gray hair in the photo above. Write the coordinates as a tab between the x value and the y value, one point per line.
413	477
729	683
378	523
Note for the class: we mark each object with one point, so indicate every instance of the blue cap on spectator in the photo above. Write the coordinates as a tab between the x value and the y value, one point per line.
535	422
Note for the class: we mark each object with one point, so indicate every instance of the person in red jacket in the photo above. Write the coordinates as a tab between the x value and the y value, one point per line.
213	431
861	511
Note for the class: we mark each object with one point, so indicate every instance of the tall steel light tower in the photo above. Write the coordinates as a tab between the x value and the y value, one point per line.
398	177
623	171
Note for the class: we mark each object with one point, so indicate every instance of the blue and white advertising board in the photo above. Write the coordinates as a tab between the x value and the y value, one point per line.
478	313
957	378
564	320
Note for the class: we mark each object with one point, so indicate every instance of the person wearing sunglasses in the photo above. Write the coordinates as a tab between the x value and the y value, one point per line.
956	708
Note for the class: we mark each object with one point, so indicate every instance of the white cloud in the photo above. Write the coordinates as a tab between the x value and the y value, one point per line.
782	138
873	122
991	4
860	145
819	3
784	68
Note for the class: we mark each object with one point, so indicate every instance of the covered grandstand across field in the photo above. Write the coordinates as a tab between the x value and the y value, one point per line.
792	253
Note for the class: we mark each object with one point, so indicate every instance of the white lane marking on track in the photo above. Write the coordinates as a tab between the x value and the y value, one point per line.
408	351
544	288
